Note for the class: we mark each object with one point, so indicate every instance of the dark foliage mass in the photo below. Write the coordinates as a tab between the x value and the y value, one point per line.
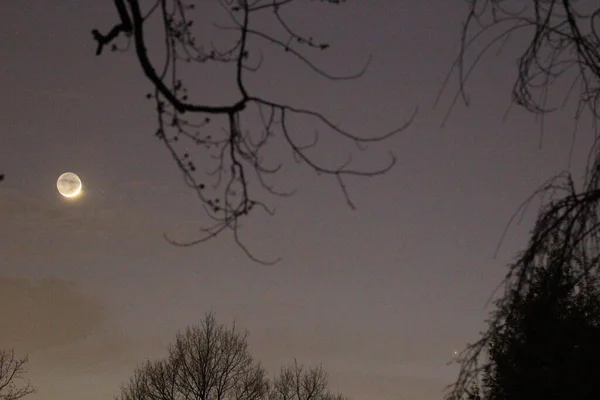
560	62
549	344
225	151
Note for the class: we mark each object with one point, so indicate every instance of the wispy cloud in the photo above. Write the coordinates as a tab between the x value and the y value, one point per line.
45	314
17	208
64	329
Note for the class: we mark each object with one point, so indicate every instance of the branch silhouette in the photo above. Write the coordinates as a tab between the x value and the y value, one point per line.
13	385
563	47
223	134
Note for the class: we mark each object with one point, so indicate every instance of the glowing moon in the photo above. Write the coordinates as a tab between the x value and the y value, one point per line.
68	184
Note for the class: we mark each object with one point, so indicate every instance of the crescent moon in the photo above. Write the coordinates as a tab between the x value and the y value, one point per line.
69	184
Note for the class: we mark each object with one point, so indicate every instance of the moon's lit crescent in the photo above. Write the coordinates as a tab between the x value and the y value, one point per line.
69	184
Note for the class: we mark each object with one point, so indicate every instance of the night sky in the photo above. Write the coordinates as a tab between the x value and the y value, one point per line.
382	295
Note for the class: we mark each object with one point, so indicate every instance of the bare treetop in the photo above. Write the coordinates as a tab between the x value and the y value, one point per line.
212	362
296	382
13	384
206	362
223	149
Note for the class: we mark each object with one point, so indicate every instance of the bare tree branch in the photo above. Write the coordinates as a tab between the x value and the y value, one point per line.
13	385
226	136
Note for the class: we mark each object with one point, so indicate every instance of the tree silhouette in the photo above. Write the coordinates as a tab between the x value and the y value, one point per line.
549	346
13	385
562	59
295	382
225	151
206	362
212	362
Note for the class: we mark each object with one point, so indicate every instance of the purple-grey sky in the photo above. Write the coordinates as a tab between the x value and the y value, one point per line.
381	295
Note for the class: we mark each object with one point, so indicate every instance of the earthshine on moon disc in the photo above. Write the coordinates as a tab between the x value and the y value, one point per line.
68	184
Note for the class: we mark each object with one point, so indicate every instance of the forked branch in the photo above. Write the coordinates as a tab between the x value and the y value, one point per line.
223	153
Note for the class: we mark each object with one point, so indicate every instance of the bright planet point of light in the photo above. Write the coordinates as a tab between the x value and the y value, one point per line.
69	184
